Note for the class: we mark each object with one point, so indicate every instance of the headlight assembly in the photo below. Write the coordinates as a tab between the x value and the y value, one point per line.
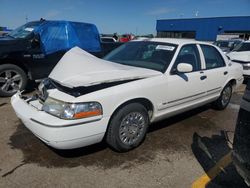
65	110
246	66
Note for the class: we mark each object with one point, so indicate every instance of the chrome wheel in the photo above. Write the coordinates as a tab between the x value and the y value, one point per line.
10	81
132	128
226	95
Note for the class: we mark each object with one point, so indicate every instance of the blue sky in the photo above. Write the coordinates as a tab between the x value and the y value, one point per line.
122	16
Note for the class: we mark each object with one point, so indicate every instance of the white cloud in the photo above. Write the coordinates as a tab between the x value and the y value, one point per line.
160	11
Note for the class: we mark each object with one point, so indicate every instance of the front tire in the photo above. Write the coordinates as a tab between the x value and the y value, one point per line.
222	102
128	127
12	79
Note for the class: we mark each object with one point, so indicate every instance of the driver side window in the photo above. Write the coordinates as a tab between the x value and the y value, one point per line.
189	54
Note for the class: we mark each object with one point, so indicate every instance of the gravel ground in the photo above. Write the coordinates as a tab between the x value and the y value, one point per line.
176	152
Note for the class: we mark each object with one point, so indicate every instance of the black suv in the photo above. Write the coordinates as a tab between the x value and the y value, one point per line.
241	145
32	50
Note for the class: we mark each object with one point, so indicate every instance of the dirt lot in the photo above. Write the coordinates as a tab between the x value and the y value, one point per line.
178	152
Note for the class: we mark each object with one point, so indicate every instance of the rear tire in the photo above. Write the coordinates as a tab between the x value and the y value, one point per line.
222	102
128	127
12	79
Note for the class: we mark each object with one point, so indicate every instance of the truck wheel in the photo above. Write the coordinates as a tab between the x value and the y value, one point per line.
224	99
128	127
12	79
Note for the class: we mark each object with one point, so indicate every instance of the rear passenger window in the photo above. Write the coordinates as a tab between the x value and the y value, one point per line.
212	57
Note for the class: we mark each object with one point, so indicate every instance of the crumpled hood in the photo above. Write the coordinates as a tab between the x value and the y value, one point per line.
79	68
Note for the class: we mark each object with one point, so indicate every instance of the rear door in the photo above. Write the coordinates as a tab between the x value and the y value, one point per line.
215	73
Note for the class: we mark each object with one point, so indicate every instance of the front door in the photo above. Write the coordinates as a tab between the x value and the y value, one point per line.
184	89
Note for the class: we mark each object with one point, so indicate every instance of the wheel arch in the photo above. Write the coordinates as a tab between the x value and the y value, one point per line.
110	139
232	82
17	63
141	100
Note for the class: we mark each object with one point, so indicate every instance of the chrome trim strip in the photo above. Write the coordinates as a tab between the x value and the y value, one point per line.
64	126
213	89
186	97
209	92
183	102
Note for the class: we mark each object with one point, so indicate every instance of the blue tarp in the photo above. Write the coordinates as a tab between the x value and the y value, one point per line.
64	35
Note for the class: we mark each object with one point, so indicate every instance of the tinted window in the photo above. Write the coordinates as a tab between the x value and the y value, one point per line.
242	47
189	54
146	54
213	58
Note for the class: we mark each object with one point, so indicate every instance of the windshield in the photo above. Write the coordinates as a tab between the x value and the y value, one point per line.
244	46
24	30
145	54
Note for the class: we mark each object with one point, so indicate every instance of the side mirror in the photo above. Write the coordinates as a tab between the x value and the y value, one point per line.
35	42
4	34
184	68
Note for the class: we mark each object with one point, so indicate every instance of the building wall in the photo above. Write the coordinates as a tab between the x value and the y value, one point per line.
206	29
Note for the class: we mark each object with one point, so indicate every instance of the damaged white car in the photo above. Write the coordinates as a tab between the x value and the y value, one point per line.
86	100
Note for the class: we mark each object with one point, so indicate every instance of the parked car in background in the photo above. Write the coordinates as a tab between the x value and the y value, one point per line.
241	55
126	38
108	44
3	33
227	45
241	145
108	39
87	99
32	50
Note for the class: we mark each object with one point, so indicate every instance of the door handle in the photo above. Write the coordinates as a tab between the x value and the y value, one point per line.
225	73
203	77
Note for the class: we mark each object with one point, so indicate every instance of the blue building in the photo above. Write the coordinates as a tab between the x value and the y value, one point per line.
205	29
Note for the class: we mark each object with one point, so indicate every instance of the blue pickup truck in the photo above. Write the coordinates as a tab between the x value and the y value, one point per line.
31	51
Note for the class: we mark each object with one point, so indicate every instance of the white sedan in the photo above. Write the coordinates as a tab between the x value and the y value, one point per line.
241	54
86	100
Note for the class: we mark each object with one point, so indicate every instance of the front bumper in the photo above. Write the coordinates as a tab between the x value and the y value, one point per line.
59	133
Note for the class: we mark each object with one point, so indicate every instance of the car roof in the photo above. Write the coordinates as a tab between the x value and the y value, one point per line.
176	41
